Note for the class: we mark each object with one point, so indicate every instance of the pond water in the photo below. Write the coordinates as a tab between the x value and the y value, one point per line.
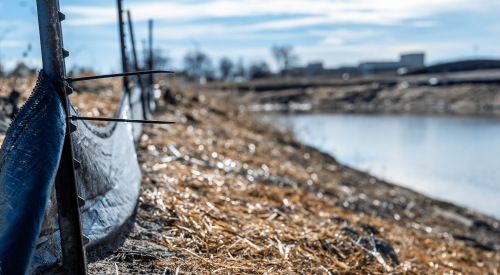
452	158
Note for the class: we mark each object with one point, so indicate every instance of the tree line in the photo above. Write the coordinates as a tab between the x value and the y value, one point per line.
198	66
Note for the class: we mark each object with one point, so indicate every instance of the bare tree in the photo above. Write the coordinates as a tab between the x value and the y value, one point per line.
161	60
259	70
198	66
226	68
285	58
240	72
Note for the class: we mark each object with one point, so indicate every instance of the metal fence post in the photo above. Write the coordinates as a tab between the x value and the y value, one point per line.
151	61
70	226
122	43
145	103
134	53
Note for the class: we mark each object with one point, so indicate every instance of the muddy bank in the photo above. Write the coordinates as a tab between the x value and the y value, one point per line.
475	99
473	93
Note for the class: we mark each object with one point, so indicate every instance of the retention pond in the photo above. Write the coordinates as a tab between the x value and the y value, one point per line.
452	158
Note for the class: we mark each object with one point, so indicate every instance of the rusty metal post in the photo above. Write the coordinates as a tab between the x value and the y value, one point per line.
70	226
124	55
134	53
136	67
122	43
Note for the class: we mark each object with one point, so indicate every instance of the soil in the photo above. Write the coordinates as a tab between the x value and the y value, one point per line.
225	193
425	235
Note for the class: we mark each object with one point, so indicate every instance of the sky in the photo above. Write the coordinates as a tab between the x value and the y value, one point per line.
336	32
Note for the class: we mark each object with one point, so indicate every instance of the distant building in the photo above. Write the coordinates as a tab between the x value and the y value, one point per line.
408	61
314	69
408	64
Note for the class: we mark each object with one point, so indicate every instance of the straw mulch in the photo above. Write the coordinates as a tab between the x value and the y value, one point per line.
235	196
238	197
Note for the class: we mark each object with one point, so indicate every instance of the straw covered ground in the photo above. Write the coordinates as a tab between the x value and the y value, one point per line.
223	193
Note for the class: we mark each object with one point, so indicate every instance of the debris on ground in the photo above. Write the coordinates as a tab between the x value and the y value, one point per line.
225	193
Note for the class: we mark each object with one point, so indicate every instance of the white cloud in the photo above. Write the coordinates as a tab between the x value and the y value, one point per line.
424	24
216	31
341	36
313	12
11	64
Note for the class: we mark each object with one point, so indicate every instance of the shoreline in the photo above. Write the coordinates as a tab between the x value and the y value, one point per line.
362	203
472	94
305	120
385	112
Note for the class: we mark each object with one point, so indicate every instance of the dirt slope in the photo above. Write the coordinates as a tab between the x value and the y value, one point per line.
223	193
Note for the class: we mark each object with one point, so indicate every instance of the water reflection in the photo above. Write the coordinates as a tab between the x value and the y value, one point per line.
451	158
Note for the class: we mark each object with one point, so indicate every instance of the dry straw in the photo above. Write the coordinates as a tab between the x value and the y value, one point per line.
235	196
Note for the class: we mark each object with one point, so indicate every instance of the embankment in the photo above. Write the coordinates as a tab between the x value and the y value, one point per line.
471	93
222	192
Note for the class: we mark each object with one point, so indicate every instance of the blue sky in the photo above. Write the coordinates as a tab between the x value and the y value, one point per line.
337	32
